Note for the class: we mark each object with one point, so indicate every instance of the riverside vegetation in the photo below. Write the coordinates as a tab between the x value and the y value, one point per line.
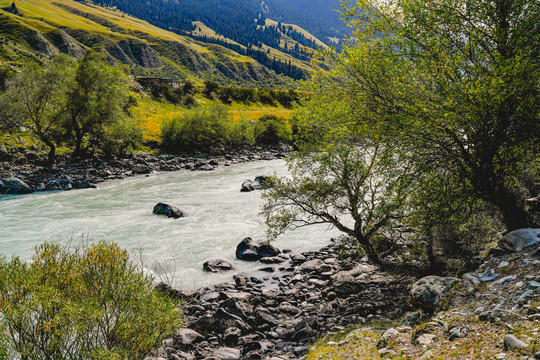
420	143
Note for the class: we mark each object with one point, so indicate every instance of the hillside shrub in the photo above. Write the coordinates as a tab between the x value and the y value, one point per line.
91	303
122	137
198	129
271	129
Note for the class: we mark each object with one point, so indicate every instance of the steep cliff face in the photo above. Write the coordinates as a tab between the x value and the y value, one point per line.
65	43
142	54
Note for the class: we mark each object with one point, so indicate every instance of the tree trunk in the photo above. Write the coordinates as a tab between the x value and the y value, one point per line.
51	157
371	253
514	216
78	143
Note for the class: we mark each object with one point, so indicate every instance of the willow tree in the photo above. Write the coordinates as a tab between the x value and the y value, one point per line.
454	82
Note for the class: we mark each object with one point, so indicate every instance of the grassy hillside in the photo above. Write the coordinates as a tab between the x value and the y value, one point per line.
41	28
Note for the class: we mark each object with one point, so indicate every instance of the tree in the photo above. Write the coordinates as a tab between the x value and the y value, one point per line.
358	186
455	82
91	303
37	99
95	99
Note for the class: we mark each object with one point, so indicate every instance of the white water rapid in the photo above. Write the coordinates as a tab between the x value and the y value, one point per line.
219	217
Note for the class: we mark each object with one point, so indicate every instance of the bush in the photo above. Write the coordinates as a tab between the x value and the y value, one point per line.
91	303
205	129
122	137
271	129
211	89
197	129
266	97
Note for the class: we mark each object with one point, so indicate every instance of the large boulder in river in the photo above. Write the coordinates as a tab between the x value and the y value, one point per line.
258	184
14	185
517	240
168	210
429	291
251	251
217	266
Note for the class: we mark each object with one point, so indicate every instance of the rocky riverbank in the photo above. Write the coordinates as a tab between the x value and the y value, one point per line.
279	316
493	312
27	174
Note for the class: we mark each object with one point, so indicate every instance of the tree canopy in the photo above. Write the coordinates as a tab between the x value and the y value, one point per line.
448	87
457	82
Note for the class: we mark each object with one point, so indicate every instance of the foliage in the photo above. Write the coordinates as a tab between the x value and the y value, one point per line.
455	82
36	98
358	187
212	127
81	102
198	129
271	129
5	74
122	137
96	98
90	303
211	89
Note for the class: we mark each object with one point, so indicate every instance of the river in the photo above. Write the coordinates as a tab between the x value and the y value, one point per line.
219	217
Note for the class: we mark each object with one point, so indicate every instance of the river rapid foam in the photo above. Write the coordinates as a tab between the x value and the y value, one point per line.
219	217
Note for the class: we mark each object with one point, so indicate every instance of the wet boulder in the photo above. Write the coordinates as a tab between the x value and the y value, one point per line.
140	169
251	185
251	250
168	210
217	266
14	185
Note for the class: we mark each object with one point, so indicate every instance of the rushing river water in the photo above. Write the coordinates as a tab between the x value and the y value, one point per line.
219	217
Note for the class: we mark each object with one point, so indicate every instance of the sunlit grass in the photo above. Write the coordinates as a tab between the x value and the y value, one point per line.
153	113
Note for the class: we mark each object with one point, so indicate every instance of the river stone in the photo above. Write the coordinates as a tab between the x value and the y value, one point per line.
517	240
226	353
429	291
140	169
513	342
311	266
238	307
251	185
217	266
231	336
386	337
168	210
250	250
343	283
187	336
4	155
13	185
219	322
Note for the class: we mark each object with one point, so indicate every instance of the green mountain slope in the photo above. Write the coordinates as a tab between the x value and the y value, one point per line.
36	29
